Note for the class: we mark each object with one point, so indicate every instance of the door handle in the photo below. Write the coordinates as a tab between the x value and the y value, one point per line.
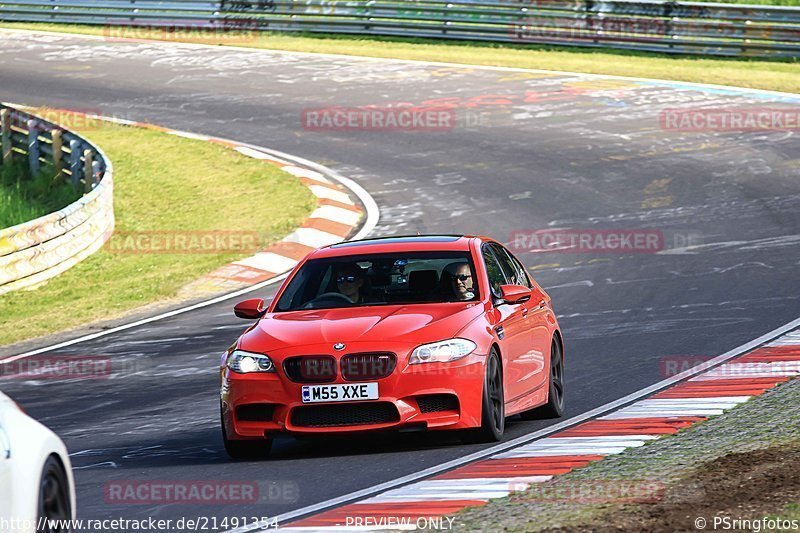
542	303
524	312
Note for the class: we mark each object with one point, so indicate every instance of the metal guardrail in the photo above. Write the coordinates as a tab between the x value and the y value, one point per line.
40	249
649	25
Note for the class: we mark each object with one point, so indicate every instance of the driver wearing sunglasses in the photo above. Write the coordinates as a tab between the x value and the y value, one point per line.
349	281
461	280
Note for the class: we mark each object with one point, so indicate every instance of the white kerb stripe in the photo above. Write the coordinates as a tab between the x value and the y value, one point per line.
457	489
306	173
724	402
337	214
331	194
312	237
188	135
115	120
789	339
554	446
257	154
268	261
751	370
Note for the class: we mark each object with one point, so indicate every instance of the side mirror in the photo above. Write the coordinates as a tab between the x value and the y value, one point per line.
250	309
514	294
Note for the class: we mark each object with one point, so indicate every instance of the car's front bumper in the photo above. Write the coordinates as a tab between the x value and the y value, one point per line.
425	396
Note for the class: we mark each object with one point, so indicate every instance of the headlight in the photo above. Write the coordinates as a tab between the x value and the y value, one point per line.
247	362
442	352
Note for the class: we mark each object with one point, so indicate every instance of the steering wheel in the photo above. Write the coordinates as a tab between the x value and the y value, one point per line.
332	297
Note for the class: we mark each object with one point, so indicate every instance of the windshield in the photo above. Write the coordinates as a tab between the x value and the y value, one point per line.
381	279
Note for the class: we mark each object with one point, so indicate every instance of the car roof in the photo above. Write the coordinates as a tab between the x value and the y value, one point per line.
402	243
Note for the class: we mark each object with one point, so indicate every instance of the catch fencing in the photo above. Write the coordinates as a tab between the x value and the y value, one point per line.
37	250
646	25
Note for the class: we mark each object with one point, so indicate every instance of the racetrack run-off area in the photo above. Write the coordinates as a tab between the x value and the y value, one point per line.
517	152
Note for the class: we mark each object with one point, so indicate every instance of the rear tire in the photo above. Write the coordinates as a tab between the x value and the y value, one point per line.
493	411
554	407
54	497
243	450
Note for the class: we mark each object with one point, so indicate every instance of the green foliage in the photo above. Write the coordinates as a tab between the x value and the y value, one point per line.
23	198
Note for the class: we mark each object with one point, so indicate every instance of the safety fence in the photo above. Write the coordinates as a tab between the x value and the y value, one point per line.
647	25
40	249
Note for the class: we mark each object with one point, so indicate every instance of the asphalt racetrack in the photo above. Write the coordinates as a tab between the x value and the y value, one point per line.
526	150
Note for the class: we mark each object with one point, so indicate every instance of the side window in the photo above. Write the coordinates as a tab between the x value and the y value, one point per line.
506	264
521	275
493	269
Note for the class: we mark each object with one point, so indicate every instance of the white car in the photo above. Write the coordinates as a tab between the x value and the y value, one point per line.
36	483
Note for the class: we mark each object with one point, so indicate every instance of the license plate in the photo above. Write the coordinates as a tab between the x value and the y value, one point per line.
340	393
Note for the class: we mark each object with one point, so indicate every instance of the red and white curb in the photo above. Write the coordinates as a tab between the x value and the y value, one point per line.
681	405
334	220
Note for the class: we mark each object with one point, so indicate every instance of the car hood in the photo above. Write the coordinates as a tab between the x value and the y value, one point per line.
397	323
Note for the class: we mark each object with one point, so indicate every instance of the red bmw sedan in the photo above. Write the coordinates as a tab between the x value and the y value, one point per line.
424	332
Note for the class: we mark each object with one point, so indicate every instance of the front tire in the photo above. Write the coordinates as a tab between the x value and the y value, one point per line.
54	506
493	410
554	407
243	450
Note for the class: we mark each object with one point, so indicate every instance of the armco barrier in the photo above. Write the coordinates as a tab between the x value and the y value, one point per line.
40	249
648	25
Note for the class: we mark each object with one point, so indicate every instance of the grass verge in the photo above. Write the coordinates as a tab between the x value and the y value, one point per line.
773	75
23	198
162	183
741	464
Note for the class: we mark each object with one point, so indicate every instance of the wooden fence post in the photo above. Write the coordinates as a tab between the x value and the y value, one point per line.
58	156
88	174
75	162
33	147
5	137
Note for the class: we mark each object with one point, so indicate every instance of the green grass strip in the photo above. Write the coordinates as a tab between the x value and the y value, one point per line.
168	184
